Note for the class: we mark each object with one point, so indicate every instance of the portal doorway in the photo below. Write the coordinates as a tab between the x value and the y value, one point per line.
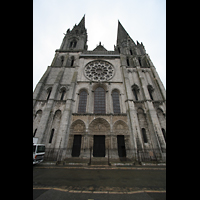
99	146
76	146
121	146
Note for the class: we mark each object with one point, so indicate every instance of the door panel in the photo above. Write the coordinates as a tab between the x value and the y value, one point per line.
99	146
76	146
121	146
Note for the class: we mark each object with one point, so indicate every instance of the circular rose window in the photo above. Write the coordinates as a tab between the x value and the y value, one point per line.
99	70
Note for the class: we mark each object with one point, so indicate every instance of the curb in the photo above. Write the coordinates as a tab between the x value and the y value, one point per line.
100	192
101	168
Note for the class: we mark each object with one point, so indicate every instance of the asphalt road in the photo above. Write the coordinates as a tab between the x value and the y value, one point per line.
60	195
92	180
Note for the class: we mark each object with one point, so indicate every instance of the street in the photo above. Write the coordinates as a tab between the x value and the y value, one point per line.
88	183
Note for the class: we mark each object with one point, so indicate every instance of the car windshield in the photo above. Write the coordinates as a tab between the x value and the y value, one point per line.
40	149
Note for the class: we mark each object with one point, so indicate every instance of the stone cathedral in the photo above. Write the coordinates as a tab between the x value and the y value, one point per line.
98	100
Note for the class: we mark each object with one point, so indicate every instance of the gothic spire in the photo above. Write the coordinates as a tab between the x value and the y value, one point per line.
122	34
82	22
80	26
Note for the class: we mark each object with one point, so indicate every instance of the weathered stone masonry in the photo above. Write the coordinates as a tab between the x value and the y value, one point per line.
100	99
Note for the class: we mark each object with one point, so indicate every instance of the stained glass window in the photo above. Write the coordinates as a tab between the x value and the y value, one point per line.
82	102
99	100
116	104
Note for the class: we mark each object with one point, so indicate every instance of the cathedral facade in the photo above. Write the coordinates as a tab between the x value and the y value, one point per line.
99	101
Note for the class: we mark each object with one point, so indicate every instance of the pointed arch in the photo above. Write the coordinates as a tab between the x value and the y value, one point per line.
120	127
140	110
135	90
99	125
57	114
62	92
78	126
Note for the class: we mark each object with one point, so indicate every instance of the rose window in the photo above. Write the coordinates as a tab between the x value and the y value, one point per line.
99	71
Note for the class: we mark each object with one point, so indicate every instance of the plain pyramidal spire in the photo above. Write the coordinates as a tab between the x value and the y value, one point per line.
122	33
82	22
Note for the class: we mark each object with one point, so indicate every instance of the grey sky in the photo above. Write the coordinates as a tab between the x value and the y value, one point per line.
144	20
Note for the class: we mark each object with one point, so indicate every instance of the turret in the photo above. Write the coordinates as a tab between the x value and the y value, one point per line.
76	39
132	54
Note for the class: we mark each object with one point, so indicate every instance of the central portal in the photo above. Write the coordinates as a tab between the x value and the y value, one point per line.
99	146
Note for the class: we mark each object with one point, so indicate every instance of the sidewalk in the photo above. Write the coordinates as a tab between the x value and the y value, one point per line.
54	164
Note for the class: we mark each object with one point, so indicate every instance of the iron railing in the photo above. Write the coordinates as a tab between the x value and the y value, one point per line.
139	155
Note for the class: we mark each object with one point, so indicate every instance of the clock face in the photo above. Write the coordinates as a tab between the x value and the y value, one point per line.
99	70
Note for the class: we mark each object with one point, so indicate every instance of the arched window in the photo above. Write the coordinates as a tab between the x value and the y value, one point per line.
72	61
164	133
135	90
127	60
99	100
49	93
73	44
82	102
116	104
144	135
62	94
51	136
135	94
150	89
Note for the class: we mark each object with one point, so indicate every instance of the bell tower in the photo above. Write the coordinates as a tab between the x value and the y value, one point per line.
75	39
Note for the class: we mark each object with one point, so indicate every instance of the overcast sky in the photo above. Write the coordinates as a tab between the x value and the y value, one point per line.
144	20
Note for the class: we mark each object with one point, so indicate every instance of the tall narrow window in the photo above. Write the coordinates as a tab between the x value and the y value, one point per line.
139	59
150	89
51	136
144	135
127	60
49	93
164	133
99	100
135	94
131	52
63	94
62	60
72	61
34	132
82	102
116	104
75	42
135	90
